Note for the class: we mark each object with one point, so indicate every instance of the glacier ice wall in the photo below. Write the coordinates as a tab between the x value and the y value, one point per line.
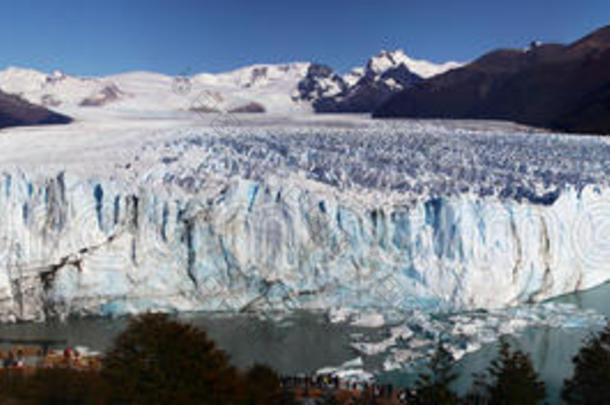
101	246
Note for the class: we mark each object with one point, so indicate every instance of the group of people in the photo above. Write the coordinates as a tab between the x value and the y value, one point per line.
331	381
74	358
70	354
16	358
317	381
13	361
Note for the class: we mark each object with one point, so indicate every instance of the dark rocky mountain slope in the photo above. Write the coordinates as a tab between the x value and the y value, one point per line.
15	111
561	87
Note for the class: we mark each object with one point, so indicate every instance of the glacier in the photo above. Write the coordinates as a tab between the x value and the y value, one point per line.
412	215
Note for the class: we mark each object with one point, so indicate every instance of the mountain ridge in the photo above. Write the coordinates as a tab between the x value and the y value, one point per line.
556	86
287	87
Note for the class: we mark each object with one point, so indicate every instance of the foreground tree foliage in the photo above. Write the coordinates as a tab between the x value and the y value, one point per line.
157	359
513	379
154	361
262	387
433	387
53	386
590	383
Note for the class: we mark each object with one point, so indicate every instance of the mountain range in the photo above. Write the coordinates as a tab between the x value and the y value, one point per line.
555	86
365	89
285	88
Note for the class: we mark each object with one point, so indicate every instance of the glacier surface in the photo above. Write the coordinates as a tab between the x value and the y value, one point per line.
425	215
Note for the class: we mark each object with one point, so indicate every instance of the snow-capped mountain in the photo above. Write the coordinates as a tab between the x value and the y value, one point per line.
320	82
58	89
386	60
256	76
268	85
363	89
293	87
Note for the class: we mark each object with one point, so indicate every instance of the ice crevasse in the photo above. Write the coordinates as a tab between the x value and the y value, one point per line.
73	246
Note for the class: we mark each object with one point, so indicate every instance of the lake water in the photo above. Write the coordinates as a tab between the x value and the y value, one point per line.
305	342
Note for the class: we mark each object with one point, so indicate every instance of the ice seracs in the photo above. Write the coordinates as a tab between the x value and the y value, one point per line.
428	215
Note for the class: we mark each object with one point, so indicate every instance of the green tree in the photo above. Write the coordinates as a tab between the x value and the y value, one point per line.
514	380
433	385
157	360
590	383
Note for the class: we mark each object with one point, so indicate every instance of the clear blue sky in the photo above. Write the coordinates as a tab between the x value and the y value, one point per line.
110	36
